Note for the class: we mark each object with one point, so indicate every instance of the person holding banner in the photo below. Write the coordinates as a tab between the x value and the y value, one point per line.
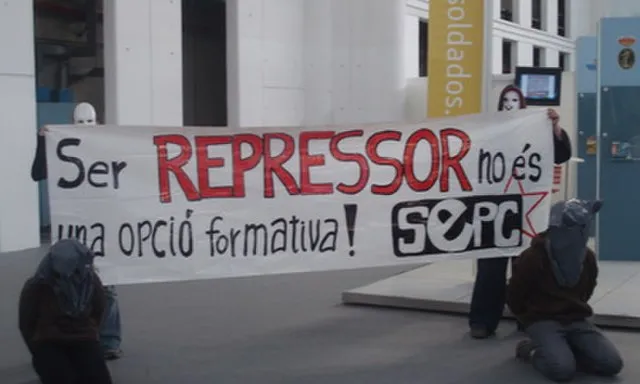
60	309
489	290
549	293
110	333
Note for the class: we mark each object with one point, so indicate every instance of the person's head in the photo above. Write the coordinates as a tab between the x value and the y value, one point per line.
70	259
84	114
511	99
68	269
570	224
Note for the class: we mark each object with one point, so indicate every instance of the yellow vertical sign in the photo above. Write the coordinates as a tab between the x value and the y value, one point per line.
455	57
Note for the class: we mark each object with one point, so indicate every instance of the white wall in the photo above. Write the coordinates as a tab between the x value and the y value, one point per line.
308	62
411	46
582	17
621	8
19	216
586	13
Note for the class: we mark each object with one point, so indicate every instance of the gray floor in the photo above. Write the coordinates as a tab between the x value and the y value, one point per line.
285	329
447	286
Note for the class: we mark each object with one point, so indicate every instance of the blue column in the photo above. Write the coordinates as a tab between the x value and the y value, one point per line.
619	141
586	89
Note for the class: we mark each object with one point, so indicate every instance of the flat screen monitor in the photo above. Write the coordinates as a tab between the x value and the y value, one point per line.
540	86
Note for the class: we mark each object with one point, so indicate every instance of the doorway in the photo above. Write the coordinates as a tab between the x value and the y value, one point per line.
204	61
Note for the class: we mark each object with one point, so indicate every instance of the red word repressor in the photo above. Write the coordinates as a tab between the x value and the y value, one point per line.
275	165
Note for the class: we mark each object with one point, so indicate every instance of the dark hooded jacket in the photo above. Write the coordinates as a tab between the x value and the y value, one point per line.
534	294
561	148
45	312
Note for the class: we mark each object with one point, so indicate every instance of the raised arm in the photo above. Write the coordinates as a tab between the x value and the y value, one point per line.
39	166
561	147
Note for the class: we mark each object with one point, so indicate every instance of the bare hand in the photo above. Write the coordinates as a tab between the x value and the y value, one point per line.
555	120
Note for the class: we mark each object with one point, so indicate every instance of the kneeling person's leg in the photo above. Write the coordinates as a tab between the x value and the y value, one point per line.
595	353
110	331
551	354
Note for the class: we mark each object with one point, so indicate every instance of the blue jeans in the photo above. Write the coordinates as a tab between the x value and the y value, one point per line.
111	332
563	349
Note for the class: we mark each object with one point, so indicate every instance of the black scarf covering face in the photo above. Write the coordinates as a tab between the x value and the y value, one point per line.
68	269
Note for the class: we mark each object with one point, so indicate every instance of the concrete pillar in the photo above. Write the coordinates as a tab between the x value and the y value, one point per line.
582	16
355	73
19	210
377	80
497	7
496	54
551	58
143	62
550	16
523	11
233	10
572	63
524	54
265	42
318	57
310	62
412	46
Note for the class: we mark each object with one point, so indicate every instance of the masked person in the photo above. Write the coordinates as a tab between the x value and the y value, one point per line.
489	290
549	293
60	310
110	333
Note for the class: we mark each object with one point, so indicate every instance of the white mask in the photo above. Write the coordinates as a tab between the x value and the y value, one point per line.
511	101
84	114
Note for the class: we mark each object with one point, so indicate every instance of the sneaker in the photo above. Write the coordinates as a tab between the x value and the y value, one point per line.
112	354
480	333
525	350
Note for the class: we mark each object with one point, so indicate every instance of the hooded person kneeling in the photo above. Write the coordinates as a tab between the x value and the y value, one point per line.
549	291
60	311
111	329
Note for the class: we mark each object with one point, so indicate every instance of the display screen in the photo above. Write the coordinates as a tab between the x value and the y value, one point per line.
538	86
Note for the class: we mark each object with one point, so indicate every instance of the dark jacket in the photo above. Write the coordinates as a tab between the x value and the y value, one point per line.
561	148
39	166
533	293
40	317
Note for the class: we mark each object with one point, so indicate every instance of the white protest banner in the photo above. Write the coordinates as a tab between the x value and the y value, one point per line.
165	204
